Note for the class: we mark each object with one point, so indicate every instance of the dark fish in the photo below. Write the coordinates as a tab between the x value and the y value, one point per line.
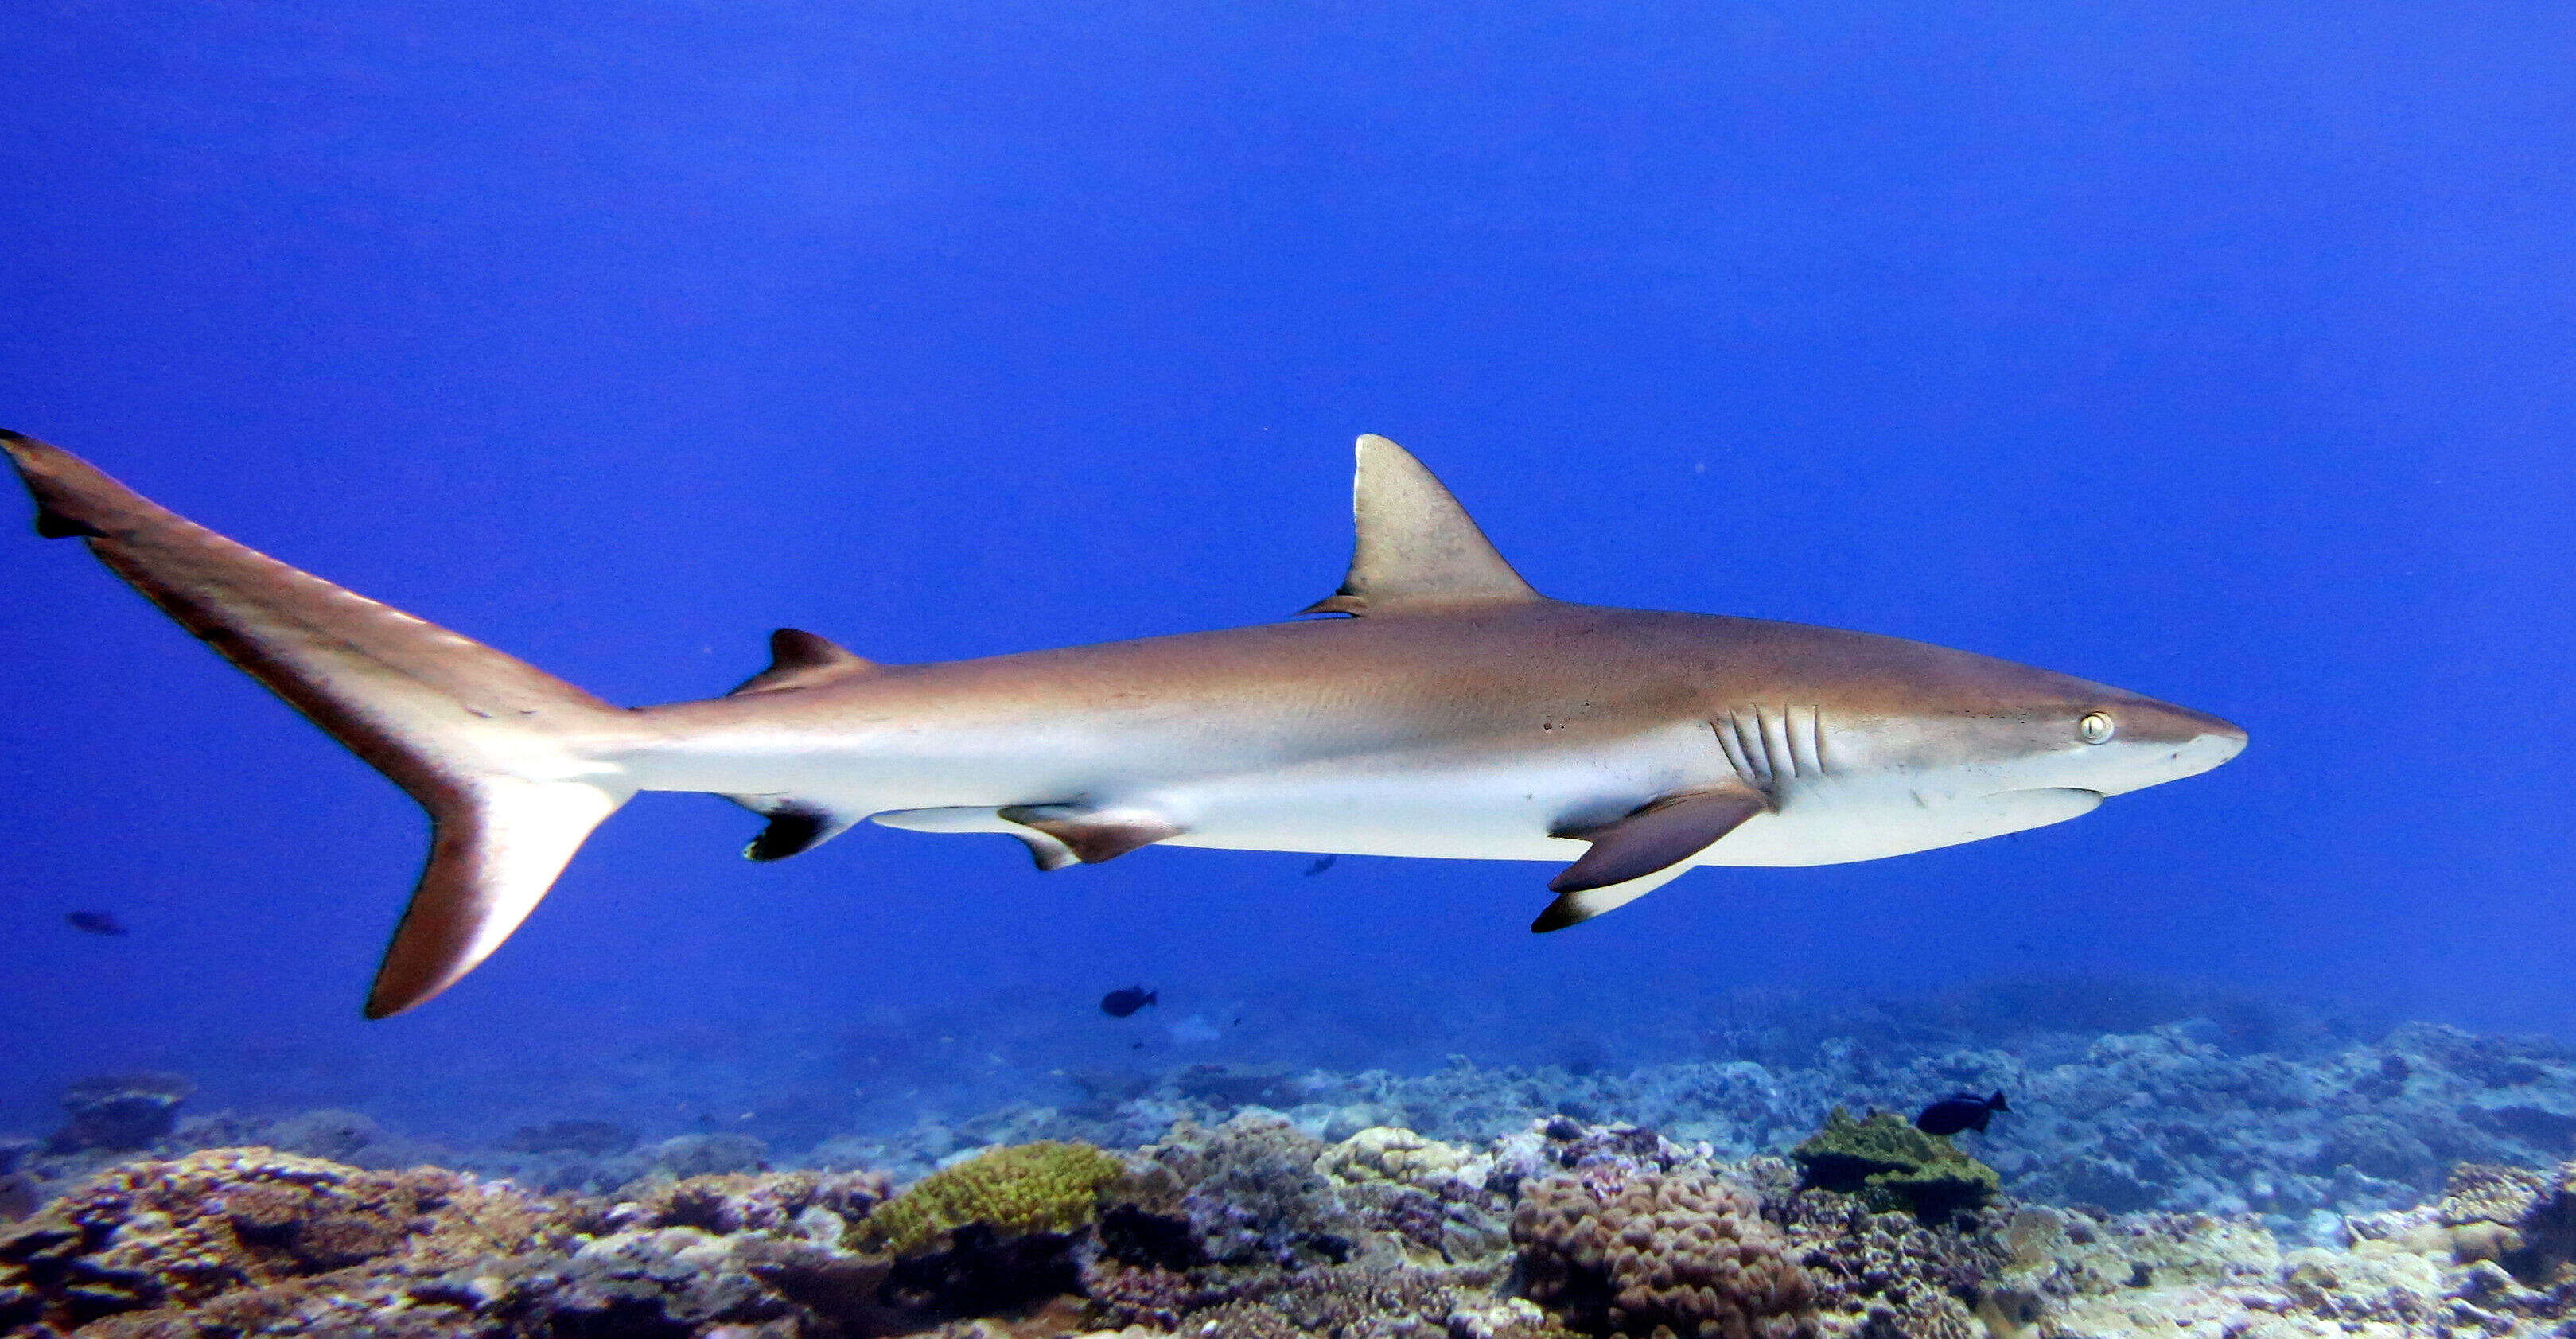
1321	865
1964	1111
1120	1003
95	922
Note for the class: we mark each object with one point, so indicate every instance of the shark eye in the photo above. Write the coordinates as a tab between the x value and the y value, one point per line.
2095	728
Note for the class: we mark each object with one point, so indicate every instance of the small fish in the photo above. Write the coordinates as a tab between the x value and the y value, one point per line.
1120	1003
95	922
1962	1111
1321	865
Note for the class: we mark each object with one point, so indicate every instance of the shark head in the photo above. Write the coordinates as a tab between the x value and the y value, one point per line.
1975	729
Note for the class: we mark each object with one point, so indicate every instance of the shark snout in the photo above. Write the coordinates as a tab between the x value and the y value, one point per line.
2161	742
2197	729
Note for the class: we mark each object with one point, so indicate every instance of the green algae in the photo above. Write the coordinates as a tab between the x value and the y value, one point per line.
1894	1167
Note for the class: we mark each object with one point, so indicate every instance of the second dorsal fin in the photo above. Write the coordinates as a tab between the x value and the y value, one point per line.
799	659
1416	545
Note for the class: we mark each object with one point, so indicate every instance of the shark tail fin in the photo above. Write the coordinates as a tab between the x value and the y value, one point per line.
488	744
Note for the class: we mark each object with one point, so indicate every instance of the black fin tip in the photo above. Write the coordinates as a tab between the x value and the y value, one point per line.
790	832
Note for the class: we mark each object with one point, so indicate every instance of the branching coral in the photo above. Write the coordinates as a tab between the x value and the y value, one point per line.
1042	1187
1888	1273
1679	1249
1892	1165
1254	1195
1366	1302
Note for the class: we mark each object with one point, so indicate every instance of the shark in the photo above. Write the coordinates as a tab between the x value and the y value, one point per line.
1435	705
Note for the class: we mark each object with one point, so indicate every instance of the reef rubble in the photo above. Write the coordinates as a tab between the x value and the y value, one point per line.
1250	1228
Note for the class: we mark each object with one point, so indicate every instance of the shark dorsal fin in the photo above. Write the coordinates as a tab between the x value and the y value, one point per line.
799	659
1416	545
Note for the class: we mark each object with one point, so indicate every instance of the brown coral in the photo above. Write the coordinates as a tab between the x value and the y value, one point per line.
2482	1193
180	1233
778	1204
1679	1249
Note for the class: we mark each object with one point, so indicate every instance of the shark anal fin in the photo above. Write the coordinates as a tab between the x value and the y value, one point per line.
1091	834
1577	907
790	832
1660	835
800	659
796	825
1415	544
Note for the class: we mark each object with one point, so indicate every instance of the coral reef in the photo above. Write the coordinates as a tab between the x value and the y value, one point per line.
2167	1118
1255	1230
2151	1182
1892	1165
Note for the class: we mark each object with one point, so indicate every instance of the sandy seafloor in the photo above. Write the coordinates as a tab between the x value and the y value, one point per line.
2175	1161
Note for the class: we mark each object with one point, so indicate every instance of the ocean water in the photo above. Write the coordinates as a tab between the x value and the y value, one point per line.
2219	353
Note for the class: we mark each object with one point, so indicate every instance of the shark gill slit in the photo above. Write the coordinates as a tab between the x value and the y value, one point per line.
1758	761
1775	745
1756	769
1732	744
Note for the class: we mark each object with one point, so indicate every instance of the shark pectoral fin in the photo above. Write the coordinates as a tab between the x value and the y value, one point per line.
1415	544
1665	833
1091	833
498	845
799	659
1578	907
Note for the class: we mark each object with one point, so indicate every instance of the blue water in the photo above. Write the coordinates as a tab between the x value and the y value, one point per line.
2218	354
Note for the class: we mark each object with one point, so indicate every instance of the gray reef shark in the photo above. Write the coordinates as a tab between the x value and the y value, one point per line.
1454	713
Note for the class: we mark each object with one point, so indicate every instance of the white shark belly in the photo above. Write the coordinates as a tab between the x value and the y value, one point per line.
1450	823
1464	801
1878	822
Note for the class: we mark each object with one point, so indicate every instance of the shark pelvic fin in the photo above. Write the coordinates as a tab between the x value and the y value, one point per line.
1415	544
1050	853
1092	834
799	659
1661	835
491	746
1057	835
